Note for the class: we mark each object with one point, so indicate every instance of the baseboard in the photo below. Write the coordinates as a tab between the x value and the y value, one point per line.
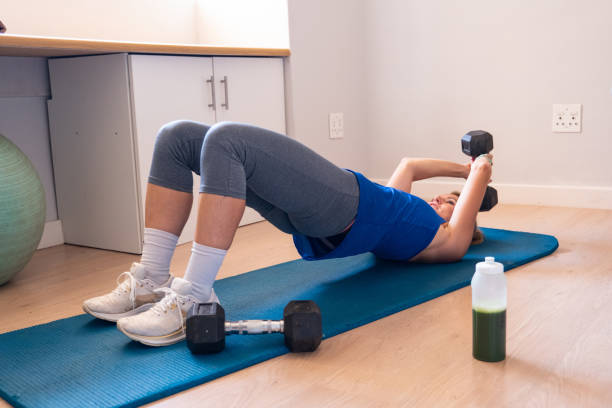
52	235
526	194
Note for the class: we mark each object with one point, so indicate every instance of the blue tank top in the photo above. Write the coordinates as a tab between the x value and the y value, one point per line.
390	223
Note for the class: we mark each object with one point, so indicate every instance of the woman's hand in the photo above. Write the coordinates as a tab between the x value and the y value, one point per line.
483	163
479	161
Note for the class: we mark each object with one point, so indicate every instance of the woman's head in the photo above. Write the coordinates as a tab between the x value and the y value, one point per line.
444	205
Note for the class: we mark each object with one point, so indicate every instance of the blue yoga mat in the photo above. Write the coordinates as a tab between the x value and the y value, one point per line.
85	362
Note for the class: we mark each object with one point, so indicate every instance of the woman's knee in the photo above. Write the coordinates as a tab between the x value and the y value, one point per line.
223	142
180	141
176	132
222	130
223	135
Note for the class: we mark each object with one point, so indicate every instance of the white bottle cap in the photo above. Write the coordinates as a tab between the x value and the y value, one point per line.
489	266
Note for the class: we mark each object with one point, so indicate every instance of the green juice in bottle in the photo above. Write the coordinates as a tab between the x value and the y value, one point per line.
489	301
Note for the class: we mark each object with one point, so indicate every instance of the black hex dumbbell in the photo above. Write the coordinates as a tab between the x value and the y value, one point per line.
474	144
206	327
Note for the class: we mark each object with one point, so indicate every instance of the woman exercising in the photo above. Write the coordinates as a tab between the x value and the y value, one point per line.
331	213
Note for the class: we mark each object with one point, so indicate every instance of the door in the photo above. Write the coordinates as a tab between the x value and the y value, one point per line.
250	90
165	89
93	152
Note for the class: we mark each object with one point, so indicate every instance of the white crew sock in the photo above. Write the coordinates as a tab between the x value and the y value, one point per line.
202	269
157	252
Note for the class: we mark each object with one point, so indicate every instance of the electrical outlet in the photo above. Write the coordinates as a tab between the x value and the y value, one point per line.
336	125
567	118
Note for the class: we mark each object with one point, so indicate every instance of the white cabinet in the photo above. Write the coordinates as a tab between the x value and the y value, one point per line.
104	116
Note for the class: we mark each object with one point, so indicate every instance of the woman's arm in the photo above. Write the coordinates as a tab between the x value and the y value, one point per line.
410	170
457	234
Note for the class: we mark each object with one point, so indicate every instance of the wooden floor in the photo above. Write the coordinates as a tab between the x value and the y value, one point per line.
559	327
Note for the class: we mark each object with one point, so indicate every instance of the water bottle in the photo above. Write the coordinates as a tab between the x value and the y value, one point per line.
489	301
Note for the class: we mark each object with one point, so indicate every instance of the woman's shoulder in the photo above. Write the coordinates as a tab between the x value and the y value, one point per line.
440	249
437	249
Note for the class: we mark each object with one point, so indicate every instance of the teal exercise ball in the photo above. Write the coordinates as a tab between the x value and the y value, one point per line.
22	210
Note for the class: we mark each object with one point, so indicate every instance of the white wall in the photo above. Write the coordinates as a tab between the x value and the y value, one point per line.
243	23
326	73
439	68
164	21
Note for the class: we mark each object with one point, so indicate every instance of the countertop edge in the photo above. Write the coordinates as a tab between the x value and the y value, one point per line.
35	46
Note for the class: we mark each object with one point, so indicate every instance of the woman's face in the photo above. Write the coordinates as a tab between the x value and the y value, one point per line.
444	205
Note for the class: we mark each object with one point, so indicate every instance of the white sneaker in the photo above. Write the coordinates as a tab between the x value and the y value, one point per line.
164	323
134	294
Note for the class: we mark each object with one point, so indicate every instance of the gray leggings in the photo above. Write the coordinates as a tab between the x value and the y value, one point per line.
290	185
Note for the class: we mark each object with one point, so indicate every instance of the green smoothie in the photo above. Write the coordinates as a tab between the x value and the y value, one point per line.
489	335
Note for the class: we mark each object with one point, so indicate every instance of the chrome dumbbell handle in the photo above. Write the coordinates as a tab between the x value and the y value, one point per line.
254	327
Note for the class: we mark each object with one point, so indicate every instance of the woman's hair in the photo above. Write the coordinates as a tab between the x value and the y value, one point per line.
477	236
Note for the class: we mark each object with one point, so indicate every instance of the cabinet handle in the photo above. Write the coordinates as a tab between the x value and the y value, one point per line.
211	81
226	104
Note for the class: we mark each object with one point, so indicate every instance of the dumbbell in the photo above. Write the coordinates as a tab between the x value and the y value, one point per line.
206	327
474	144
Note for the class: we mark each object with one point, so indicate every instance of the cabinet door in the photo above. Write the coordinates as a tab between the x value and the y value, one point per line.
93	152
251	90
165	89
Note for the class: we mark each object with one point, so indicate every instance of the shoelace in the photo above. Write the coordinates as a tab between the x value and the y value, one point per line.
171	297
121	288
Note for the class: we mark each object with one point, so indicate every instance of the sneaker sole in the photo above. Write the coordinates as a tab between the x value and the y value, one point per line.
113	317
156	341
